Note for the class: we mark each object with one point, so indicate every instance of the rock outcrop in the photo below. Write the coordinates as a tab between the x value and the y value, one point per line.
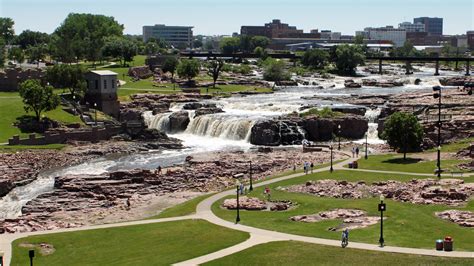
179	121
207	111
351	218
266	133
462	218
245	203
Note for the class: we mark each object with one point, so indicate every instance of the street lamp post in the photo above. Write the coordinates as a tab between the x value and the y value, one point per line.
237	184
382	208
331	169
437	95
339	135
250	176
366	143
31	254
95	108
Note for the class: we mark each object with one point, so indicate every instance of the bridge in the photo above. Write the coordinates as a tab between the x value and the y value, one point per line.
406	59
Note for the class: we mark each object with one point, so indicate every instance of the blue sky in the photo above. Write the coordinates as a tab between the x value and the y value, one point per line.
226	16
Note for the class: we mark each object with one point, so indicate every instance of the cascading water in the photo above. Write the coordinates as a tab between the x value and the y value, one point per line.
159	121
221	126
372	131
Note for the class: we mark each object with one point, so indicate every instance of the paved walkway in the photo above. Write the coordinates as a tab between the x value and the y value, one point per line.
257	236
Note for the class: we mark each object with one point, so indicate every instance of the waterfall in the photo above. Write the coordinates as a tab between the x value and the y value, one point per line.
372	132
159	121
221	126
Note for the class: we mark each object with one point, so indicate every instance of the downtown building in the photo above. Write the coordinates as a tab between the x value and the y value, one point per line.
433	26
385	34
180	37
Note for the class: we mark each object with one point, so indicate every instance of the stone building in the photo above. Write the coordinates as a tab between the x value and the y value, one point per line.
102	90
10	78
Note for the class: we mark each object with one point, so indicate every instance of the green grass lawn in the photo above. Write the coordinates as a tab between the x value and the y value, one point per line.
11	107
299	253
407	225
185	208
395	162
152	244
455	146
7	148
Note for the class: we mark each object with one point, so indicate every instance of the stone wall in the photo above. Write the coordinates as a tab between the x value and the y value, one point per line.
11	77
93	134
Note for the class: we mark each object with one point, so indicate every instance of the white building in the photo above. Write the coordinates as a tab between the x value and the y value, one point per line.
388	33
412	27
329	35
102	91
178	36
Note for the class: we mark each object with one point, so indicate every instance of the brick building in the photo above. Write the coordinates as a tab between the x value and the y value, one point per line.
276	29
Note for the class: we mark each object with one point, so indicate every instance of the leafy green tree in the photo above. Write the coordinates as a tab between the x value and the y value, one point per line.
403	132
246	43
69	77
121	48
32	38
197	43
82	36
260	52
16	54
259	41
188	68
274	70
37	98
7	32
359	39
37	53
315	58
151	48
348	57
2	52
214	68
230	45
170	65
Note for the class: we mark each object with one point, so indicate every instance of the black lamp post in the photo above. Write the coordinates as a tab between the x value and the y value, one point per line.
331	169
382	208
366	150
237	184
31	254
339	135
437	95
250	176
95	108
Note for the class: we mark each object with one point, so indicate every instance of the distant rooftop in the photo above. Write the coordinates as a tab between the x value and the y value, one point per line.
103	72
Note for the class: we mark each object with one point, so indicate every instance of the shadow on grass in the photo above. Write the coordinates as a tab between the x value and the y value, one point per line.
403	161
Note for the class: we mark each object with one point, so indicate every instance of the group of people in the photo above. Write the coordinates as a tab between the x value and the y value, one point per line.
355	152
308	167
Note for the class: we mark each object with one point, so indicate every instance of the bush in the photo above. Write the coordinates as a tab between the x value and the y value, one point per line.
274	70
326	112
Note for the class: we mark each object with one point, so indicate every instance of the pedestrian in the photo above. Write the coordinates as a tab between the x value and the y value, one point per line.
312	165
241	189
304	167
357	151
353	152
267	191
294	167
127	203
159	169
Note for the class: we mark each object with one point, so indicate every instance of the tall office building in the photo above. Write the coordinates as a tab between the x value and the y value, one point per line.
434	26
177	36
412	27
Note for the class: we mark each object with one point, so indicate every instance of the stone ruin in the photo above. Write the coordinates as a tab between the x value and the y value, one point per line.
11	77
462	218
453	192
252	204
351	218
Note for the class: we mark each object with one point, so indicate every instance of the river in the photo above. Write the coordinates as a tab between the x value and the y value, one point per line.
223	131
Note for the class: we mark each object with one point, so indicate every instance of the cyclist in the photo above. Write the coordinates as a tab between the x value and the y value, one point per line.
345	238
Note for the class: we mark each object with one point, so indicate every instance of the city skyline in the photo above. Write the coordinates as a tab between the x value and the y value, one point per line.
340	15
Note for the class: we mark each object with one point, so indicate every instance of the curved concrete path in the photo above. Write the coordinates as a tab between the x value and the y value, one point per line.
257	236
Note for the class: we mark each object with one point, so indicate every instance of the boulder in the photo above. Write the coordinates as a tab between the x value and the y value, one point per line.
197	105
265	133
455	81
349	83
207	111
178	121
322	129
5	187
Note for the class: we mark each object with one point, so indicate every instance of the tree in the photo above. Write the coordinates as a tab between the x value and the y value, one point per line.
151	48
246	43
120	48
170	65
274	70
260	52
403	132
214	68
37	98
2	52
16	54
69	77
259	41
32	38
359	39
82	36
7	33
315	58
188	68
348	57
197	43
230	45
37	53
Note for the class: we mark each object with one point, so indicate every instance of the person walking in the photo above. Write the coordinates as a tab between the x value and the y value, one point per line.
304	168
345	238
159	169
357	151
241	189
312	165
294	167
353	152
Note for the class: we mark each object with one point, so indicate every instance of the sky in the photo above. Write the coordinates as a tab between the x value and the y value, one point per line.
223	17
